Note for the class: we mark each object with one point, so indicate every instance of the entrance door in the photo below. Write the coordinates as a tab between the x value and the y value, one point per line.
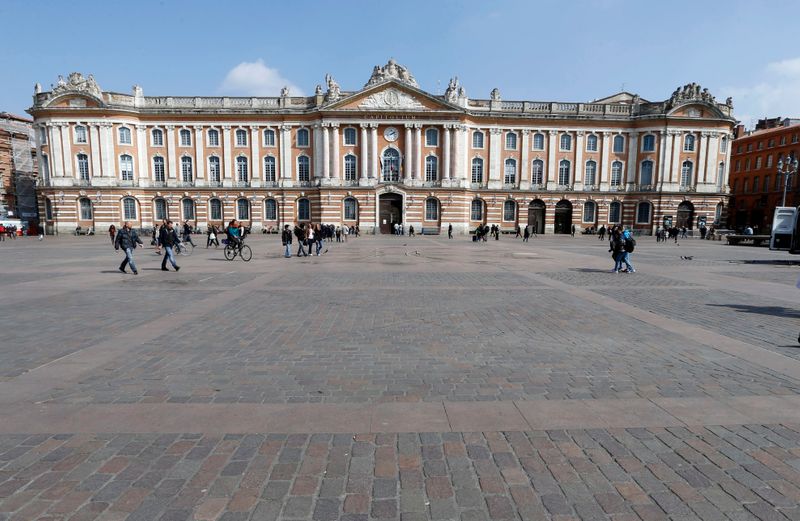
390	212
563	217
685	215
536	216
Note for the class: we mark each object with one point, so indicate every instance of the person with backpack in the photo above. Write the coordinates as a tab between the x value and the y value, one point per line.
628	245
127	239
286	241
300	233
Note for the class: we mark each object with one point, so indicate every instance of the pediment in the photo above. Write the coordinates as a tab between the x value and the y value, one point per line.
695	110
74	101
392	96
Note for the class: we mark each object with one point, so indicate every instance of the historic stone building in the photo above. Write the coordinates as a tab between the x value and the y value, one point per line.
18	171
389	152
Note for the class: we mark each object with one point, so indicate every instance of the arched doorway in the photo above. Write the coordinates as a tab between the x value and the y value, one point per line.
390	211
536	215
685	215
563	220
391	166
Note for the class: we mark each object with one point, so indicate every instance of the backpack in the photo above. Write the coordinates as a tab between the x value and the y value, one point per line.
630	244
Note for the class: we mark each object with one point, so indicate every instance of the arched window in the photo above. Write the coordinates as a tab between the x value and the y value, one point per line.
431	209
615	212
477	139
269	169
270	210
303	169
129	209
616	173
718	213
649	143
391	165
350	168
185	137
589	211
563	173
126	167
80	134
241	137
510	172
83	167
476	210
302	137
213	169
431	168
590	173
213	138
186	169
241	169
566	142
686	173
431	137
124	136
157	137
303	210
538	141
243	209
511	140
619	144
591	143
188	209
643	213
721	177
160	209
723	144
350	209
537	172
477	170
215	209
646	175
510	211
349	136
688	143
86	209
269	138
158	169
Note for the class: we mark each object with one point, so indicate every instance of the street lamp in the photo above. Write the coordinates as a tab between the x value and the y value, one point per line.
786	170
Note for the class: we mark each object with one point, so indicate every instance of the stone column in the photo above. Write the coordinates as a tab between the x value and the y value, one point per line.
57	157
326	151
524	181
459	160
664	150
604	162
141	153
335	159
285	151
318	150
579	168
408	173
364	159
727	164
700	174
711	161
66	149
633	149
446	173
257	170
227	157
171	168
374	165
94	147
675	164
552	146
419	174
493	179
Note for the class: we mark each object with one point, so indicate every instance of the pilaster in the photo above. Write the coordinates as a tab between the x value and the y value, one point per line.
335	159
604	162
446	173
66	149
94	148
633	149
493	180
373	146
142	172
579	169
364	159
257	170
227	157
552	146
408	172
171	161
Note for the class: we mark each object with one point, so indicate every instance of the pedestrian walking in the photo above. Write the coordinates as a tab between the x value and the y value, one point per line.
168	238
127	239
112	232
601	233
300	233
449	231
573	230
615	246
213	233
628	245
527	234
286	240
2	232
187	233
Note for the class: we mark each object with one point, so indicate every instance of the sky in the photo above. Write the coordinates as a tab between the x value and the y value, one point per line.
539	50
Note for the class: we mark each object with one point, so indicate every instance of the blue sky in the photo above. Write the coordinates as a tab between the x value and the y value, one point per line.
530	50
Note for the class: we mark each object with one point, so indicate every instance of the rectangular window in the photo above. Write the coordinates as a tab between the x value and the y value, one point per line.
349	136
126	168
649	143
158	138
758	162
738	166
766	183
769	161
771	143
477	139
124	136
511	141
158	169
80	134
241	138
747	165
186	137
756	184
213	138
269	138
760	145
643	213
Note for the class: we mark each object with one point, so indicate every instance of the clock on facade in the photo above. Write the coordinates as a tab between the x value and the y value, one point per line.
391	134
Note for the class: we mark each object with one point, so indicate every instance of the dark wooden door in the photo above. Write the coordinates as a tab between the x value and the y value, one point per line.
390	212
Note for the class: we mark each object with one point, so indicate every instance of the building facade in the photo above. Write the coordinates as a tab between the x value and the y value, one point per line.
18	170
387	153
756	187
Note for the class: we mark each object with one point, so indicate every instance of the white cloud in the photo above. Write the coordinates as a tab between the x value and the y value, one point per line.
776	95
256	79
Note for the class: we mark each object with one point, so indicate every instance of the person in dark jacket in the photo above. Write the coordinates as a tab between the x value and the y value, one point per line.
449	231
300	233
127	239
286	240
168	239
616	247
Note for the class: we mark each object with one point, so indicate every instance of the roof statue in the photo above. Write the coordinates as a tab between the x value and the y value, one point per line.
495	94
37	89
691	92
452	92
318	90
285	91
77	83
334	92
391	71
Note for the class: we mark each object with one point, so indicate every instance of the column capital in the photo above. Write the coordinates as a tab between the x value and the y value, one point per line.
462	128
580	133
285	128
333	125
526	131
252	127
495	131
197	127
409	126
373	126
141	127
607	133
366	125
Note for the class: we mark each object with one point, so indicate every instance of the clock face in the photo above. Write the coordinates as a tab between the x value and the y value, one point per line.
391	134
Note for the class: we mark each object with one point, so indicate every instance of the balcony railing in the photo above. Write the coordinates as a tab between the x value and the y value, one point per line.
128	182
564	188
646	188
431	184
242	184
687	188
591	188
306	183
185	184
271	183
82	182
616	188
539	187
350	182
159	184
215	184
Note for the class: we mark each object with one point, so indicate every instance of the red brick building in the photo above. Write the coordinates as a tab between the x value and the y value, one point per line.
18	169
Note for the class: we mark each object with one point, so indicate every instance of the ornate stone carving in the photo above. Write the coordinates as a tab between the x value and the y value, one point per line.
285	91
688	93
334	92
390	99
77	83
318	90
495	94
452	92
391	71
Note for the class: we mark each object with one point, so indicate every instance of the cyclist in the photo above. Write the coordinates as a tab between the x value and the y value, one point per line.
234	233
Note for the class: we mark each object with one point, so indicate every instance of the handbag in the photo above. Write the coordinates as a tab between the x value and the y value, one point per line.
213	237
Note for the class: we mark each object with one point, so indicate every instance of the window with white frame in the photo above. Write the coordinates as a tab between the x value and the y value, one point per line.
157	137
241	137
269	138
477	139
783	140
83	167
86	209
80	134
590	173
431	168
215	209
511	140
723	144
303	169
241	169
214	169
718	213
269	169
477	170
758	162
643	213
159	209
646	173
510	211
615	212
302	137
431	137
303	210
510	171
538	141
48	209
126	167
350	136
756	184
390	170
431	209
688	143
185	136
619	144
350	209
563	173
45	164
270	210
591	143
187	175
769	161
158	169
129	209
43	136
721	175
350	168
616	173
476	210
188	209
589	211
686	173
565	143
649	143
243	209
125	136
213	138
537	172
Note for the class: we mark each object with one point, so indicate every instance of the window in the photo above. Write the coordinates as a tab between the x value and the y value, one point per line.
772	143
269	138
188	209
747	165
83	167
643	213
213	169
477	139
738	166
213	138
476	210
688	143
718	213
769	161
616	173
563	172
760	145
269	169
510	172
746	185
538	141
589	211
186	169
45	163
477	170
303	169
509	211
614	212
783	140
270	210
350	167
303	210
241	138
124	136
86	209
537	172
795	138
391	165
721	175
619	144
431	168
350	209
243	209
302	137
241	169
157	136
431	210
126	167
646	174
566	142
591	143
129	209
431	137
723	144
590	173
80	134
349	136
766	184
215	207
686	173
749	147
756	184
185	137
649	143
758	162
160	209
48	209
511	140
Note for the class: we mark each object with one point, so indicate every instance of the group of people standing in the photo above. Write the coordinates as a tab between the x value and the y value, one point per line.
313	237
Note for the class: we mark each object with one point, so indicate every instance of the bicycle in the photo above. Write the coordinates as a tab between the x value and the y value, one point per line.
243	251
182	249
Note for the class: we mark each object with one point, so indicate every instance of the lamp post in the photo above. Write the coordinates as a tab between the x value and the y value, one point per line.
787	169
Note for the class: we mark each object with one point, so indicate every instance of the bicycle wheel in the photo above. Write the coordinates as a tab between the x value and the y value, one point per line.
230	252
246	253
187	250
